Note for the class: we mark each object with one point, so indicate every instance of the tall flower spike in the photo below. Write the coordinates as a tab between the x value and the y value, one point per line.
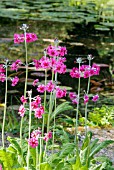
24	27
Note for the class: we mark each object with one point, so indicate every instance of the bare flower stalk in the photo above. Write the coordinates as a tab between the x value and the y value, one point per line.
5	105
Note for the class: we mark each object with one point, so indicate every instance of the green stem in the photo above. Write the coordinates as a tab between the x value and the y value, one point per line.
54	115
30	112
36	157
86	105
25	89
5	106
77	112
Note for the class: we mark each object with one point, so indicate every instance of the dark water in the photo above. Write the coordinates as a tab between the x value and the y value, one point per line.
79	40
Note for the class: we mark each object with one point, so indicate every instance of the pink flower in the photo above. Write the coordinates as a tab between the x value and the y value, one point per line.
35	82
18	38
45	62
16	64
75	73
36	133
60	93
86	73
33	142
23	99
48	136
22	110
2	77
15	81
86	98
41	88
0	167
75	101
30	37
50	86
72	95
36	63
2	70
38	112
38	99
95	98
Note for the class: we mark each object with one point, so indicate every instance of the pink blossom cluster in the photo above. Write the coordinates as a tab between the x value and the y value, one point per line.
36	107
53	51
85	71
30	37
57	66
50	87
2	75
35	135
14	81
74	98
15	65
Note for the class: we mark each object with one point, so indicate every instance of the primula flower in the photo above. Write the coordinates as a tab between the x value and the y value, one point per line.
38	99
38	112
50	86
75	73
23	99
60	93
35	82
33	142
30	37
15	81
2	77
41	88
18	38
2	70
16	64
72	95
86	98
0	167
95	98
22	110
48	136
36	63
36	134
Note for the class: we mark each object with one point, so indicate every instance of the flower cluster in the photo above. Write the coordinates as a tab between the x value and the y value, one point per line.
35	135
56	65
85	71
15	65
36	107
53	51
14	81
74	98
2	75
50	87
30	37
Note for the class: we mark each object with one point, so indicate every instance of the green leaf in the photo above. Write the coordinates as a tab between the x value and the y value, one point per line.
86	141
100	146
60	166
7	159
60	108
66	150
45	166
15	144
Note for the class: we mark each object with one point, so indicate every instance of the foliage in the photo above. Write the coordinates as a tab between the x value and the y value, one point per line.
103	116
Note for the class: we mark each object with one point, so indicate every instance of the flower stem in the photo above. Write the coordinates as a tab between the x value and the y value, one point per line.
5	106
77	112
30	112
86	106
